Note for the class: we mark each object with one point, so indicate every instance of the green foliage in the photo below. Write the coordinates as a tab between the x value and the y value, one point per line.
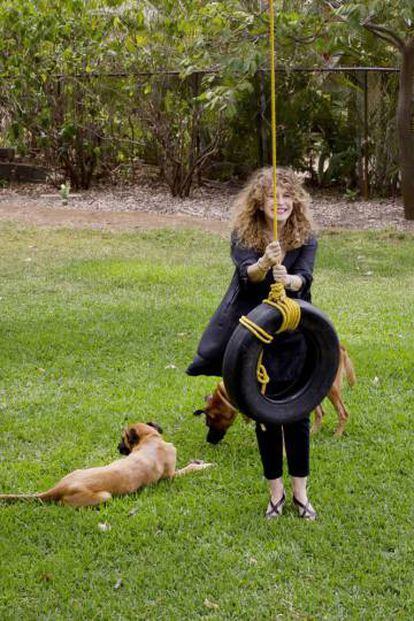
40	41
397	15
351	195
86	127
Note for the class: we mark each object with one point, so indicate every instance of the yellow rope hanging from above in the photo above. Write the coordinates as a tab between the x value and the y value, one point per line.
277	297
289	309
273	110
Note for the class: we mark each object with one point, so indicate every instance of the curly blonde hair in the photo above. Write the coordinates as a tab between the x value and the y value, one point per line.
249	223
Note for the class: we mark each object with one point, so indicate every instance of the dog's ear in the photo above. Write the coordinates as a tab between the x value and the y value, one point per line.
157	427
198	412
133	437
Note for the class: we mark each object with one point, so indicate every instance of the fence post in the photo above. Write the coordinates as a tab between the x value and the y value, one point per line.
366	137
196	91
261	119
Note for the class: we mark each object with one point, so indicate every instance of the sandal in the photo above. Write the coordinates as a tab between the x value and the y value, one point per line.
276	508
305	511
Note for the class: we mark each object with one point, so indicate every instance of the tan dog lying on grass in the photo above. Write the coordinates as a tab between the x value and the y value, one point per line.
220	412
149	459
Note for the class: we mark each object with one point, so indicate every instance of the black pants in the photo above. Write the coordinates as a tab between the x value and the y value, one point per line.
270	440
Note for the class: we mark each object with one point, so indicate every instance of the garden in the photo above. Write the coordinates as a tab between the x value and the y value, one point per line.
145	120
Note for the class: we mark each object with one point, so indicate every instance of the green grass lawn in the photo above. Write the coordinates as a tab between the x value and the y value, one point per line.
96	329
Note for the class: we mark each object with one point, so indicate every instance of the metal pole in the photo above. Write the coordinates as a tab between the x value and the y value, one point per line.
261	120
198	139
366	136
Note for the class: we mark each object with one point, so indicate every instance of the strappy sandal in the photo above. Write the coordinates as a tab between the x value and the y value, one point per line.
276	508
305	511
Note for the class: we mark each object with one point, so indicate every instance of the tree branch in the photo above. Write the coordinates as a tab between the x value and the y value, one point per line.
380	36
384	33
380	31
334	6
208	152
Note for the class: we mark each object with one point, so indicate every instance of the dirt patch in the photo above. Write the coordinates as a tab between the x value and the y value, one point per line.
146	207
36	213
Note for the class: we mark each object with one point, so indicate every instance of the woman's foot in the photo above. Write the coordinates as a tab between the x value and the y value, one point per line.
275	507
306	511
300	498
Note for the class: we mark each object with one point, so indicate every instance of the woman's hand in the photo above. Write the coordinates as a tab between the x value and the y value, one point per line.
280	275
272	255
291	282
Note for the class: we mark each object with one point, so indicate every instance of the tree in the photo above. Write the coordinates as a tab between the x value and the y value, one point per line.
63	118
393	24
180	83
200	58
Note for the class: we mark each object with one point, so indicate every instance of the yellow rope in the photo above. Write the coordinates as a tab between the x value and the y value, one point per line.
273	110
289	309
258	331
261	374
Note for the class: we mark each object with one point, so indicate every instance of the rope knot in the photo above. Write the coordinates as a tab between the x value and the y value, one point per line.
277	292
261	374
289	309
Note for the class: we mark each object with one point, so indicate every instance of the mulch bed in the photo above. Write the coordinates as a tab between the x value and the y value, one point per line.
211	202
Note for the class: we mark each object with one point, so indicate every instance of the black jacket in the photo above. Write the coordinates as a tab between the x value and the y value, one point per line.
242	296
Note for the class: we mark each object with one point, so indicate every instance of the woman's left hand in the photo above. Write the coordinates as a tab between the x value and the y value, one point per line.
280	274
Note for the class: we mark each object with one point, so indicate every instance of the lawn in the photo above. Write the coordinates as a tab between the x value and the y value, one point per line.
96	329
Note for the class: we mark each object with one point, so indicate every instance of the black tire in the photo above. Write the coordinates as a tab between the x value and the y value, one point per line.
306	392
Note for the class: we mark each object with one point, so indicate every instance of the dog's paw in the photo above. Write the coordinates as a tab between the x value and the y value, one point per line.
200	464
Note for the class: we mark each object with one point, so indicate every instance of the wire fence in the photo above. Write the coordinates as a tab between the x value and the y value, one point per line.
335	124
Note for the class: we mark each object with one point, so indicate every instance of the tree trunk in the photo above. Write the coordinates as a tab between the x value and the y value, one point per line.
405	130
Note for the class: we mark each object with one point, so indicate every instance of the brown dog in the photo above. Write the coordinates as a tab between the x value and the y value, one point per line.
149	459
345	370
220	412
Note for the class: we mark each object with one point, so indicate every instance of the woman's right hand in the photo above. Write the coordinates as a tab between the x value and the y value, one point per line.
272	255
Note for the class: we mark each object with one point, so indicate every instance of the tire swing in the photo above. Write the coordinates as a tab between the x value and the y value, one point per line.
245	377
244	374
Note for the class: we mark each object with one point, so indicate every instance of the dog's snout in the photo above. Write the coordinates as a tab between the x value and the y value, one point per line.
123	449
214	436
198	412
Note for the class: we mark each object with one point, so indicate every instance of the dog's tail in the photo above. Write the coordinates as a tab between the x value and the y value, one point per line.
51	495
193	466
349	368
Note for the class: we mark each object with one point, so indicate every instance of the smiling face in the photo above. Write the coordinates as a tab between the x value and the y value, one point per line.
284	205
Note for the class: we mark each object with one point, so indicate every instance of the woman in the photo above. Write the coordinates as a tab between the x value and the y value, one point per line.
260	262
